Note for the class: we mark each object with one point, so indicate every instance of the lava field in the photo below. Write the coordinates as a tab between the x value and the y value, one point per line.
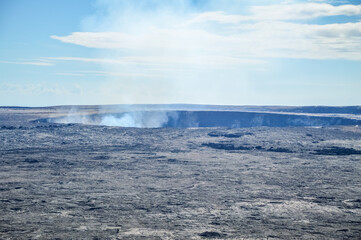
90	181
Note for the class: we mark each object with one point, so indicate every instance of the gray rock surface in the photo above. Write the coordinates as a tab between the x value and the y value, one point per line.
74	181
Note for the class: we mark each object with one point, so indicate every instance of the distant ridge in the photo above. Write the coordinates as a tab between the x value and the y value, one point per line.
202	107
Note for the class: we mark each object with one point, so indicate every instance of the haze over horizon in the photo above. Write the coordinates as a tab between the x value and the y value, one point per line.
91	52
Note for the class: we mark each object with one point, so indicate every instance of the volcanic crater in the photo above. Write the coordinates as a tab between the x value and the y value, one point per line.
180	172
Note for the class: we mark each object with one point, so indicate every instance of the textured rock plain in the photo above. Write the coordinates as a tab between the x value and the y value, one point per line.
75	181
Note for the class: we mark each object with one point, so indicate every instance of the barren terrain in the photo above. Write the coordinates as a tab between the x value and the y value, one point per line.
80	181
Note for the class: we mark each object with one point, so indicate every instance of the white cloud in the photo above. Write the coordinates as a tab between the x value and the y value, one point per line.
244	44
118	74
29	63
167	61
100	39
240	39
293	40
218	16
82	59
34	89
71	74
302	11
283	11
166	39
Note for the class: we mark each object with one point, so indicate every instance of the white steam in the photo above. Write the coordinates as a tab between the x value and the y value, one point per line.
137	119
141	119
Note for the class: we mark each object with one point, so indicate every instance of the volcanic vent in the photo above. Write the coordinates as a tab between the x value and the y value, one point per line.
200	118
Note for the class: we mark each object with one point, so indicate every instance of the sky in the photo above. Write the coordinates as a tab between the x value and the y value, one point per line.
231	52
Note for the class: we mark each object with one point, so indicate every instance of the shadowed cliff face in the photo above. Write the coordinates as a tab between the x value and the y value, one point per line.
190	119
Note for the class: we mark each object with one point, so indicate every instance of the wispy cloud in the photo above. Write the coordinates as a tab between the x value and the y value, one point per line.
71	74
35	88
301	11
167	61
29	63
118	74
117	61
265	33
247	42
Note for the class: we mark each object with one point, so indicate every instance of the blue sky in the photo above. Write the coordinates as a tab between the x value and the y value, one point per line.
203	52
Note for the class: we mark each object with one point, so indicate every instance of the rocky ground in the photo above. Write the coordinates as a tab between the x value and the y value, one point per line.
74	181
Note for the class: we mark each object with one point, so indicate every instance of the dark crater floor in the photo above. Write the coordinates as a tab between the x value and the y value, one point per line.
75	181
